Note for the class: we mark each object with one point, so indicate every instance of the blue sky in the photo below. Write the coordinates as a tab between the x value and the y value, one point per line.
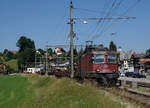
46	21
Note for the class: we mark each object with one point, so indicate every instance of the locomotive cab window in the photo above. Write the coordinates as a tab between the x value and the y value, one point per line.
112	58
98	58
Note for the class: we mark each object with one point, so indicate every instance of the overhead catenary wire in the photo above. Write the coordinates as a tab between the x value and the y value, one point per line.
105	7
107	15
124	13
61	26
131	7
110	9
95	11
87	10
104	29
102	22
115	5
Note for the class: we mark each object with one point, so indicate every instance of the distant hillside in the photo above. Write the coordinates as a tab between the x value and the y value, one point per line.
12	64
1	59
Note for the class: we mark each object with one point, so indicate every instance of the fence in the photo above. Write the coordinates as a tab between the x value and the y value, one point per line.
135	82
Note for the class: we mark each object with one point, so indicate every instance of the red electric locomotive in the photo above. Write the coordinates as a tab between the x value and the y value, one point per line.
98	64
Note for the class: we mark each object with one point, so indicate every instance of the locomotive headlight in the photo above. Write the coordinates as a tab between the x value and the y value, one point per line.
114	71
97	70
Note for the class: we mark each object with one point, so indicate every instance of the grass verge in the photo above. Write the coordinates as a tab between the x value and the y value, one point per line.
65	93
33	91
13	91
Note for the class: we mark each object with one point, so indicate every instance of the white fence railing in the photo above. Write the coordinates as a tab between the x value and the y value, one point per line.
135	82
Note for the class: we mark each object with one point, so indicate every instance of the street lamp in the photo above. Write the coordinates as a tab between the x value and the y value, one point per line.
36	52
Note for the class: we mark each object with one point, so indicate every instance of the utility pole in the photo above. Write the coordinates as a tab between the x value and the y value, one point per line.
46	64
71	40
35	60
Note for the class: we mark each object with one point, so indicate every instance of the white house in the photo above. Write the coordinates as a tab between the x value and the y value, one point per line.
127	62
130	61
33	70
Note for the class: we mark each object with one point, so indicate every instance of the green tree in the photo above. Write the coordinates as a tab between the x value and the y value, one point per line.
112	46
5	51
80	52
24	43
41	51
26	54
50	51
1	54
9	56
1	57
148	52
74	52
1	60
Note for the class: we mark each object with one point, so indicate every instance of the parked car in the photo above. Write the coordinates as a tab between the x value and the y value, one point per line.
129	74
122	74
137	75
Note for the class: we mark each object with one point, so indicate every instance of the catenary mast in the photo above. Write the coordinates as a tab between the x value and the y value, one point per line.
71	40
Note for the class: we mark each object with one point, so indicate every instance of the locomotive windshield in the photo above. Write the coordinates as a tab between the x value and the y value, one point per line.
112	58
98	58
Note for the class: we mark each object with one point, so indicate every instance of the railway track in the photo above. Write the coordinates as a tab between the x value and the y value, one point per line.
140	98
131	95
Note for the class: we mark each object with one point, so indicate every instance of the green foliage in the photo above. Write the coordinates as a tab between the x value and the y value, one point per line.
112	46
1	54
148	52
80	52
41	51
61	57
29	55
9	56
1	59
12	65
5	51
9	59
26	55
24	43
50	51
9	69
74	52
